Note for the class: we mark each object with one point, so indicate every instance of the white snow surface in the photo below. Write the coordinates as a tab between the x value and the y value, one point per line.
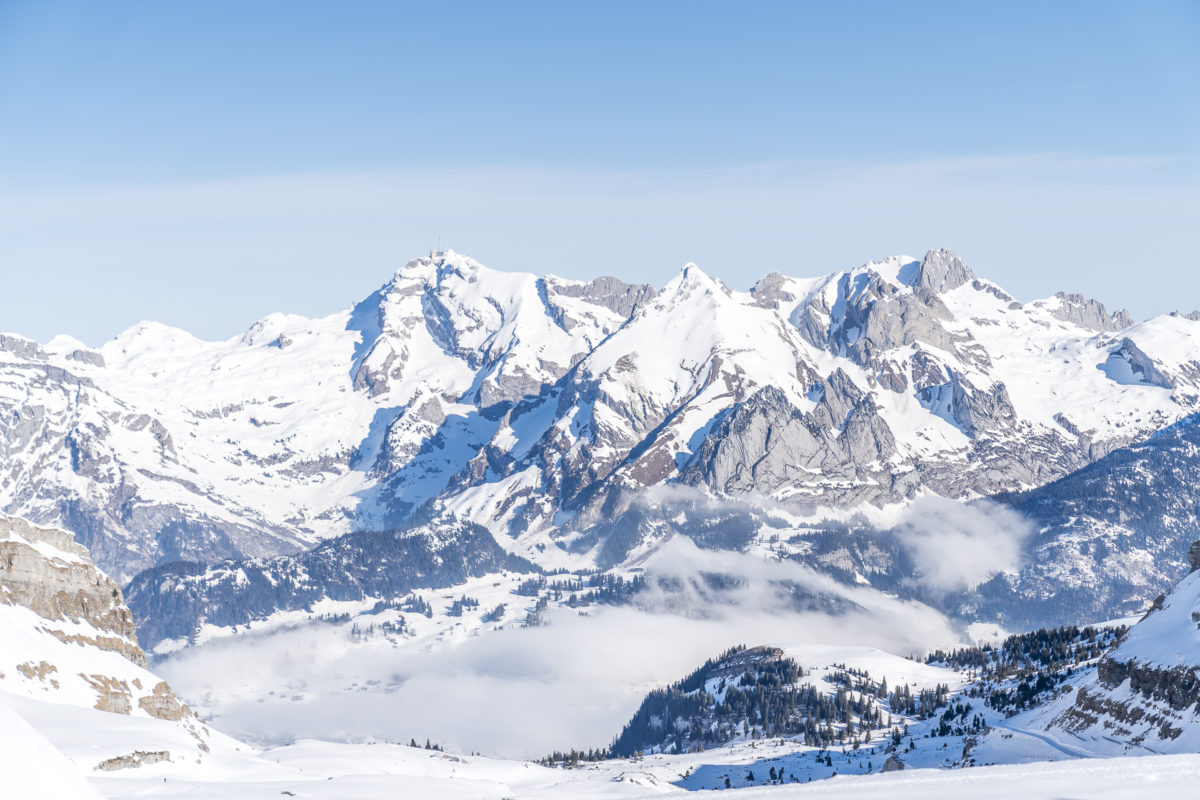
32	767
1170	636
366	772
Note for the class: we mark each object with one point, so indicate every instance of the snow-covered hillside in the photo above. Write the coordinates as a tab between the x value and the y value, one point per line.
542	408
1144	696
35	768
325	771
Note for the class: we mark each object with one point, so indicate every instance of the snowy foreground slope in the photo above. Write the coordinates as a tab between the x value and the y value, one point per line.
533	406
366	772
33	767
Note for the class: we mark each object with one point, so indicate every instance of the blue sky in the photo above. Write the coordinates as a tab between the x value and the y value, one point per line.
205	164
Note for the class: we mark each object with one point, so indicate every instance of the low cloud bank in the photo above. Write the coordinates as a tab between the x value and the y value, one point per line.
523	692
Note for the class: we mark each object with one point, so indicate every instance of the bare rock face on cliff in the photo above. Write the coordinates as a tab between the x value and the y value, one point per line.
68	642
45	571
1144	696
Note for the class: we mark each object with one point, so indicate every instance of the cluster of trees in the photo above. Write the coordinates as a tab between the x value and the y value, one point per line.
531	587
578	590
957	721
572	758
857	680
922	705
614	590
462	604
417	605
752	693
581	591
384	605
389	629
428	745
1040	651
535	615
1031	691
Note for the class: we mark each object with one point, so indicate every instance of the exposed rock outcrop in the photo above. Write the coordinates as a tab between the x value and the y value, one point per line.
46	571
766	442
134	760
163	704
1088	313
942	270
1128	364
616	295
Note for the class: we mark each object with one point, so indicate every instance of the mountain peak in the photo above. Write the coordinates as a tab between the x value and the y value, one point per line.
438	258
434	268
691	275
900	270
942	270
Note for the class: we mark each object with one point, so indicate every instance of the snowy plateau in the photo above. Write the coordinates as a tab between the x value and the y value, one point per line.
884	533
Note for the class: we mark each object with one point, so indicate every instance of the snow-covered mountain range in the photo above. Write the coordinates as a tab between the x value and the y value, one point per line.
545	409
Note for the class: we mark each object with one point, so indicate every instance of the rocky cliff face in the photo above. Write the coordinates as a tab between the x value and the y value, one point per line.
766	444
45	571
1087	313
542	408
68	635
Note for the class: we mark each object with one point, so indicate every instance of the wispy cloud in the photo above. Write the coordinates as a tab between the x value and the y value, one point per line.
957	546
